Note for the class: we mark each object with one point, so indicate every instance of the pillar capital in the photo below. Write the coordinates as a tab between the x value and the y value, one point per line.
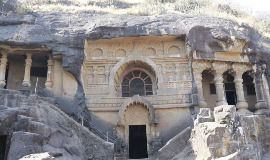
50	62
219	67
4	59
28	55
4	54
199	66
240	69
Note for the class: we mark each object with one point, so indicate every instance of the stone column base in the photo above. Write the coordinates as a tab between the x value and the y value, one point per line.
244	111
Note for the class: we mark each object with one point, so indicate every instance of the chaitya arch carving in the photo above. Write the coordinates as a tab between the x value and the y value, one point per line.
136	100
96	52
150	51
174	50
120	52
119	69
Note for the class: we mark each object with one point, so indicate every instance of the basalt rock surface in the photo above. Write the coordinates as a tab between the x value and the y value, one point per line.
65	34
229	136
34	126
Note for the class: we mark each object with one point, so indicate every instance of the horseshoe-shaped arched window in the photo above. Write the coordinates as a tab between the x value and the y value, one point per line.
136	82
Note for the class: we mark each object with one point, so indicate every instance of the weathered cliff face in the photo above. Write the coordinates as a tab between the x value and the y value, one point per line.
224	134
35	125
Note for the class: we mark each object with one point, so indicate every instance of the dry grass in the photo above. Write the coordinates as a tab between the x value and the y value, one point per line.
148	7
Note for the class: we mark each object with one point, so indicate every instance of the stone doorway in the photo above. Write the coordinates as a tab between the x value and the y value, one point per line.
3	141
137	142
231	97
230	93
230	90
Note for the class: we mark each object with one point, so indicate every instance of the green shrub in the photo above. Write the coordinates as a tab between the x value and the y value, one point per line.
189	6
21	9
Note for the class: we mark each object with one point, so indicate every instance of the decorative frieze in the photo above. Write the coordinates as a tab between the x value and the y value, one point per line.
156	100
97	89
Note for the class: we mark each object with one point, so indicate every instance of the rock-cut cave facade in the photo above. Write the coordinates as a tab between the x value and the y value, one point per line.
144	90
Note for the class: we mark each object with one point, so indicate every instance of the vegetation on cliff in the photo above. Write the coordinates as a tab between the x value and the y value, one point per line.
146	8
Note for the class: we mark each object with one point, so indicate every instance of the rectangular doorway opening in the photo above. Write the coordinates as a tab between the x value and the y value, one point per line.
231	97
3	144
137	142
230	93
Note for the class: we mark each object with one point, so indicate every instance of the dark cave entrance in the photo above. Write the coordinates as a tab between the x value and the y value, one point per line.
230	93
231	97
230	89
3	142
137	142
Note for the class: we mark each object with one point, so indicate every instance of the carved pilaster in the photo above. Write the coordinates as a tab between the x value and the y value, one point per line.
258	70
3	66
28	64
218	69
197	71
49	83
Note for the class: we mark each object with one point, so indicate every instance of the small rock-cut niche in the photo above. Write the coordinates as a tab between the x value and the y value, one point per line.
96	53
174	50
3	141
150	52
120	53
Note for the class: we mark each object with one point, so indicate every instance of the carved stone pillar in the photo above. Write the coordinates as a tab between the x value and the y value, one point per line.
241	104
49	83
258	82
198	81
3	66
28	63
219	68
